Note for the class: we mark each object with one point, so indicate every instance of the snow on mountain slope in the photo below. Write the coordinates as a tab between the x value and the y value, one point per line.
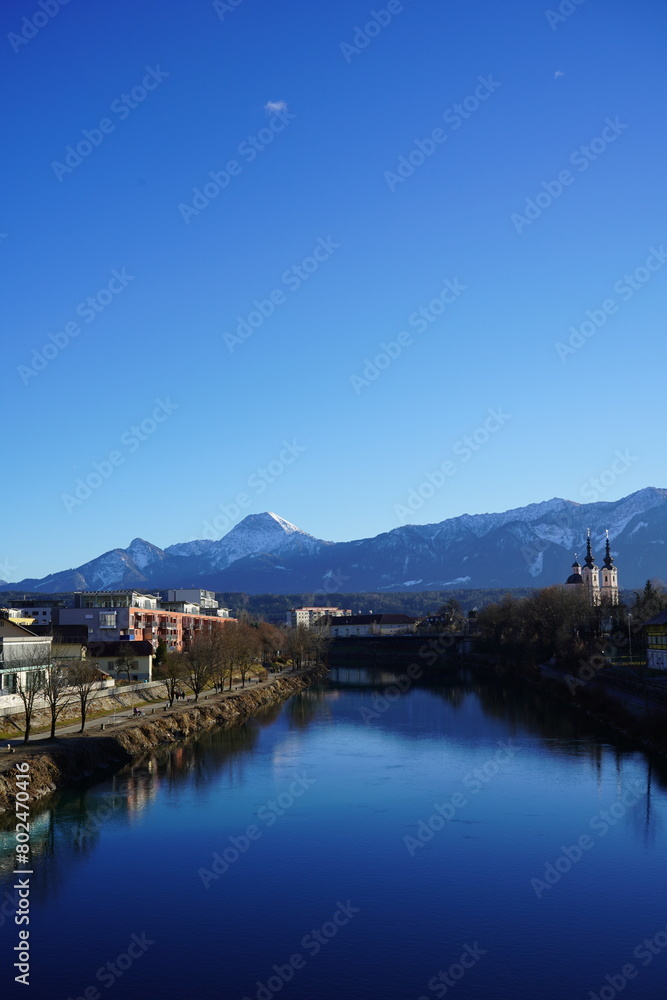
530	546
143	553
256	533
197	548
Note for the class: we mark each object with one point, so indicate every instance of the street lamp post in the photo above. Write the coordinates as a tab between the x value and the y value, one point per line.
630	635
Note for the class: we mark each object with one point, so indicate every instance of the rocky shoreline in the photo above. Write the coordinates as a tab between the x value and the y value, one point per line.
56	764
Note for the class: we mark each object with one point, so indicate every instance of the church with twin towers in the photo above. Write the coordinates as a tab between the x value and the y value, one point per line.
601	584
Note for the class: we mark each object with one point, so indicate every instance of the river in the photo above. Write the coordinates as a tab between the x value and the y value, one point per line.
461	839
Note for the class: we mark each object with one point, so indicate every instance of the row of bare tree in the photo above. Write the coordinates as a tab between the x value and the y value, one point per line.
237	650
61	683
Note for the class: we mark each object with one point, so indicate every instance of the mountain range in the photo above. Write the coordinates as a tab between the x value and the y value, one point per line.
264	553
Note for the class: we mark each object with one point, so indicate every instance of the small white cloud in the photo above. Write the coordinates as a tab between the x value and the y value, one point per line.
275	106
558	73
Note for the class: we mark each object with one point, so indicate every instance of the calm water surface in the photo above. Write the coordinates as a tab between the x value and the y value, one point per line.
312	836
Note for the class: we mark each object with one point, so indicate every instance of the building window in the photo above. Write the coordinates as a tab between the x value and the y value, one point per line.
108	620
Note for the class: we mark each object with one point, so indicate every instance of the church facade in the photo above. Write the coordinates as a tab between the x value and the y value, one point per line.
601	584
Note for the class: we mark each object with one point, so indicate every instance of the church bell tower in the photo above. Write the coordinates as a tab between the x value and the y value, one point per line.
591	574
609	587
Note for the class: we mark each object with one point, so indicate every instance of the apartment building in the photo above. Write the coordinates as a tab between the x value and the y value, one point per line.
129	615
306	616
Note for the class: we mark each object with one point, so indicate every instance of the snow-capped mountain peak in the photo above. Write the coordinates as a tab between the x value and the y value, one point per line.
143	553
529	546
255	534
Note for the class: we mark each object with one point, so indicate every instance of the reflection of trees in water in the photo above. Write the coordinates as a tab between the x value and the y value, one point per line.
267	716
563	731
66	829
303	708
204	756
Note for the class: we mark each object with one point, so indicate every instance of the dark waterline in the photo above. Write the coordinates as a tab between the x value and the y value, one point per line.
336	787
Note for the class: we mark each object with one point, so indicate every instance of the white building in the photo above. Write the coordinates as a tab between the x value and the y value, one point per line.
41	616
344	626
21	651
306	616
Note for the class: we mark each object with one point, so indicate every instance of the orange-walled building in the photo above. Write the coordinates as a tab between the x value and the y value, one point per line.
111	616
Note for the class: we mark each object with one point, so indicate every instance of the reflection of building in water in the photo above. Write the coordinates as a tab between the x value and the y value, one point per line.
361	676
141	786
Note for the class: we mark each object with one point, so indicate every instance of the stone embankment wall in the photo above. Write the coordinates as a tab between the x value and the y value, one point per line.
75	758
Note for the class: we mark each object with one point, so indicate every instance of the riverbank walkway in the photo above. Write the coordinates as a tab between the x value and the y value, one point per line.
112	721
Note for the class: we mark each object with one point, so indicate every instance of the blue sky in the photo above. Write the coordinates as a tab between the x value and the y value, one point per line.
345	442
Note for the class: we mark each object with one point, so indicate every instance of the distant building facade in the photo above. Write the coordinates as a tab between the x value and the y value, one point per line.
655	630
343	626
306	616
21	651
137	656
204	599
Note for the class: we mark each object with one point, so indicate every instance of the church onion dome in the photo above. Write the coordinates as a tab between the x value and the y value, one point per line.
575	578
589	560
608	559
